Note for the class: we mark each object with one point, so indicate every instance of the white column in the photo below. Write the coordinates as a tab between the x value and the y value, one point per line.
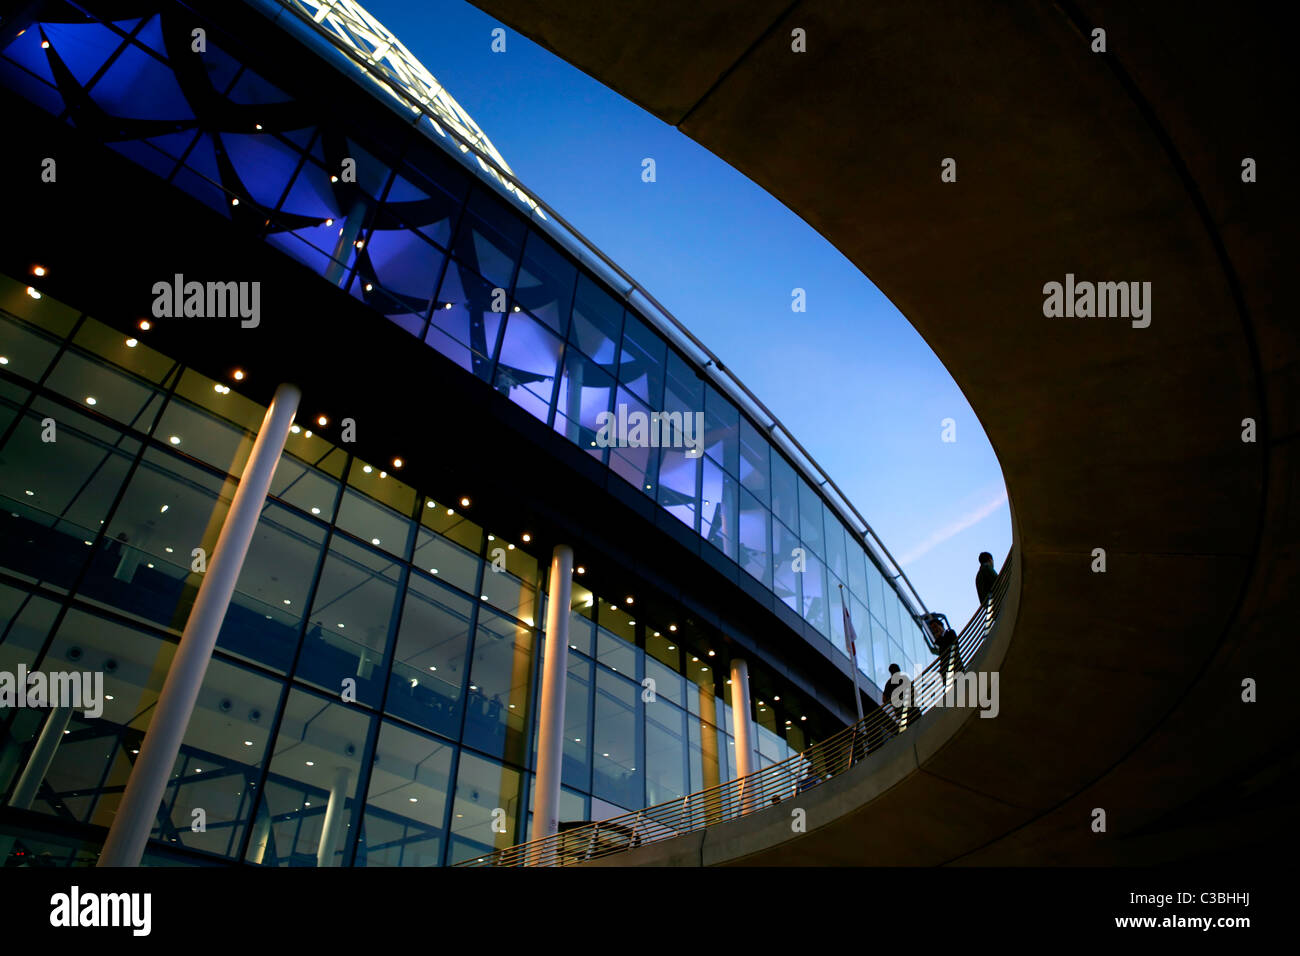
741	725
555	669
333	825
135	817
38	764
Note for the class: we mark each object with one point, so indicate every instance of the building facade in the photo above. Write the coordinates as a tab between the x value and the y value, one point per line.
212	199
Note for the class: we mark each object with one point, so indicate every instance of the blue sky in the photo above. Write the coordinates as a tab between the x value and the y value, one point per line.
850	377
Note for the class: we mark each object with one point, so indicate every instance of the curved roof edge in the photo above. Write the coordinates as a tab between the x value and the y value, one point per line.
353	32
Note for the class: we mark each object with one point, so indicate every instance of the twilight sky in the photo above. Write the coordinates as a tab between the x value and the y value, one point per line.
849	377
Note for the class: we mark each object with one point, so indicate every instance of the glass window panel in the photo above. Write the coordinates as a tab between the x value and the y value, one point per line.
317	758
500	690
447	561
880	653
401	264
683	388
862	629
463	326
26	351
45	313
220	761
811	532
270	600
304	487
615	652
857	561
526	366
351	618
199	434
678	474
92	384
597	322
721	430
427	684
785	491
110	345
406	801
815	610
372	522
483	786
635	463
876	589
618	740
718	509
665	752
451	524
641	362
785	578
755	554
545	283
54	497
836	556
585	392
489	239
754	464
510	581
170	508
581	627
669	685
576	767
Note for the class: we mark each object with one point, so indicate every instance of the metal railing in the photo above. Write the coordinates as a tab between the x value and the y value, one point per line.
777	783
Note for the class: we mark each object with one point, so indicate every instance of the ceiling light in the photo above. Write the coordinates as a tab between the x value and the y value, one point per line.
450	511
367	469
713	653
4	360
175	440
33	293
90	400
163	509
397	463
234	202
329	222
672	627
374	540
248	743
295	428
628	599
340	625
315	511
237	375
311	763
322	421
38	270
132	343
433	570
360	243
464	502
370	287
581	569
777	697
447	306
145	325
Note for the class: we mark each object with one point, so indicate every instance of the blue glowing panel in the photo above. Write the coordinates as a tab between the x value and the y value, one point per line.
151	35
404	263
526	367
146	155
264	164
302	249
137	86
83	46
312	194
26	51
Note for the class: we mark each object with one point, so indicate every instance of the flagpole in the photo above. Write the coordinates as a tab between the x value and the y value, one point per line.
853	653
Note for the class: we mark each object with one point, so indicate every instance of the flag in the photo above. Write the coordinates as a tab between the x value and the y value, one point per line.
852	639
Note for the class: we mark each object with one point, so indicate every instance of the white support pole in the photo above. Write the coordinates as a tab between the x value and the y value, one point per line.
550	737
38	764
129	833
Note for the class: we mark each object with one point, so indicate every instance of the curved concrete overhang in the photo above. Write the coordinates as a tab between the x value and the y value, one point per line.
1119	690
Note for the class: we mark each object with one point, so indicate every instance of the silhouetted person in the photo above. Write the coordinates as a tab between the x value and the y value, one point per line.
945	642
986	577
897	680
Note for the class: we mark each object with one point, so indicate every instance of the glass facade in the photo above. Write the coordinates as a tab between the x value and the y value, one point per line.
445	253
353	579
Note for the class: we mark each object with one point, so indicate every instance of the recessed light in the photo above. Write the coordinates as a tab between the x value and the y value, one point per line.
713	653
340	625
464	502
322	421
132	343
234	202
4	360
237	375
628	599
367	469
295	428
90	399
315	511
581	569
175	440
374	540
527	537
414	799
33	293
248	743
397	463
311	763
450	511
145	325
370	287
672	627
38	270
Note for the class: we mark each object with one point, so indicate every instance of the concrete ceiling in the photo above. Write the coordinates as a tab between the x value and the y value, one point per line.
1119	690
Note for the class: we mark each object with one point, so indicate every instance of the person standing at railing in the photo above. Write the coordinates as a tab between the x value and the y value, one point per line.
985	579
897	694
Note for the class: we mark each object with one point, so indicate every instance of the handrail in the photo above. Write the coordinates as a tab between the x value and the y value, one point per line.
563	231
774	784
